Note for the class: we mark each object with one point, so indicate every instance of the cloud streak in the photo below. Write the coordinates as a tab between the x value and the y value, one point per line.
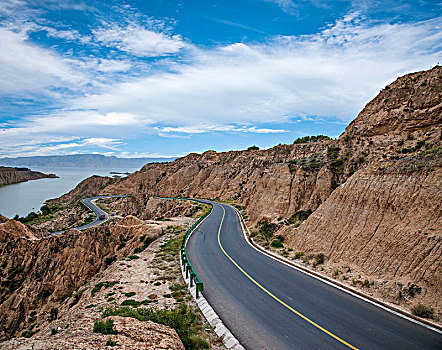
234	88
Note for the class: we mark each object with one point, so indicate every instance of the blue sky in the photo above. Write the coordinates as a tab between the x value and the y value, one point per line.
169	77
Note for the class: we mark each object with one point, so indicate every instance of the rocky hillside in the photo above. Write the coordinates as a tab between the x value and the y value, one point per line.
375	192
14	175
39	271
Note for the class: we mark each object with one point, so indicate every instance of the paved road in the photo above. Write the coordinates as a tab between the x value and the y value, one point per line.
98	212
269	305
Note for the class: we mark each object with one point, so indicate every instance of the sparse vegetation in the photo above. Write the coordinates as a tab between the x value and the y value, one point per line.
106	327
308	139
253	148
53	314
423	311
183	319
319	259
105	284
110	342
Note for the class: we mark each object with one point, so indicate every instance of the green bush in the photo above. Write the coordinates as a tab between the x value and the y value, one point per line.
266	229
54	314
104	327
133	257
298	255
130	302
130	294
108	261
53	331
308	139
423	311
277	244
319	259
111	342
105	284
253	148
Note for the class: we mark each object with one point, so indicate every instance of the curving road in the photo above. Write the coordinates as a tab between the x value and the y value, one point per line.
269	305
98	212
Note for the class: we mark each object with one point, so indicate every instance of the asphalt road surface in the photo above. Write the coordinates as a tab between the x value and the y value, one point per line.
98	212
269	305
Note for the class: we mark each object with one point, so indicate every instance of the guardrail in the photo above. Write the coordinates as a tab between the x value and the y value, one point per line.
187	266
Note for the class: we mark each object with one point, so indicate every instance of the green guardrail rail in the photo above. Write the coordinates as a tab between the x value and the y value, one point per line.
187	266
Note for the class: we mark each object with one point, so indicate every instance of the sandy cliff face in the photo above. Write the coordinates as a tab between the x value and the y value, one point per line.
37	273
275	182
388	224
86	188
412	102
13	175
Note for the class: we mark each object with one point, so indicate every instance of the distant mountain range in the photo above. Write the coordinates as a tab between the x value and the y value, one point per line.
82	161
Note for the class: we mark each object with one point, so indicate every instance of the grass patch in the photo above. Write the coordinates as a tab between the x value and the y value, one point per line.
105	284
130	302
106	327
183	319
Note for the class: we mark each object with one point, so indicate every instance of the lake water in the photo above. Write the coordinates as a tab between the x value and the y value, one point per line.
24	197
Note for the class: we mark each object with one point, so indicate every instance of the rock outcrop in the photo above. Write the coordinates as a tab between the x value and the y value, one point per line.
37	272
14	175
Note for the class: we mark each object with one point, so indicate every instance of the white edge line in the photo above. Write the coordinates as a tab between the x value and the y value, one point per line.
293	266
213	319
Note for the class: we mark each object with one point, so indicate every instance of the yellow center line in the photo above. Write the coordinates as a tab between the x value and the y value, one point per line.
275	297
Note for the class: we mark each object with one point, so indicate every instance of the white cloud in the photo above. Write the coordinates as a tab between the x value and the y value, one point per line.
233	88
139	41
60	146
288	6
27	67
333	73
204	128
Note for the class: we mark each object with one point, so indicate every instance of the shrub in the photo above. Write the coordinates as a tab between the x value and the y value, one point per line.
130	302
308	139
266	229
337	163
53	331
106	327
111	342
253	148
277	244
412	289
76	298
423	311
108	261
133	257
366	283
129	294
298	255
53	315
303	215
280	238
319	259
105	284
